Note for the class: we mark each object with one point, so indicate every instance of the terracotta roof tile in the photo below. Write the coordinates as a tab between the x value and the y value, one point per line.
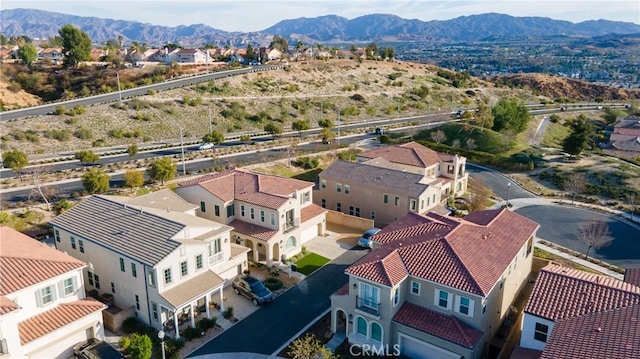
612	334
55	318
25	261
632	275
344	290
7	305
412	153
443	326
562	292
253	230
311	211
453	252
525	353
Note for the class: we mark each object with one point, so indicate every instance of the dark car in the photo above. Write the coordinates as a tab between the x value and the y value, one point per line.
253	289
379	131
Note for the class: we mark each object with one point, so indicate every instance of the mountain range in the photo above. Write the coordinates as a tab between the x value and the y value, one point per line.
325	29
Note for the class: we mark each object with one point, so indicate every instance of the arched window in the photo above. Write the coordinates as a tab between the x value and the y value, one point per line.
361	327
291	242
376	332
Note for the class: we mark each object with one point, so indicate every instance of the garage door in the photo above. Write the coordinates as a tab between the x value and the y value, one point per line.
416	349
309	233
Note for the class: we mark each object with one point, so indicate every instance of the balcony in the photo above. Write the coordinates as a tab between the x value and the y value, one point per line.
216	259
290	225
368	306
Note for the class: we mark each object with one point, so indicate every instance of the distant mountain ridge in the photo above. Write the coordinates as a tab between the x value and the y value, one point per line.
326	29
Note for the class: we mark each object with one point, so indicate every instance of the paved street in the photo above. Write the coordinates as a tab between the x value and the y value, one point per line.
269	328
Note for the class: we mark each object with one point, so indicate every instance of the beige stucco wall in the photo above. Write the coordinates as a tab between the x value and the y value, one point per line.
359	223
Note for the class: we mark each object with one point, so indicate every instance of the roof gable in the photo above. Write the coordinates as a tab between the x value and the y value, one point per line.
412	153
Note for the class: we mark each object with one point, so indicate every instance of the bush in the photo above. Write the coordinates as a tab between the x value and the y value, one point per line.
131	325
124	343
273	283
228	313
191	333
307	163
84	133
60	110
206	323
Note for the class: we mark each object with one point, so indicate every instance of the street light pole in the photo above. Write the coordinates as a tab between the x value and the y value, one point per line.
161	337
508	188
184	169
119	89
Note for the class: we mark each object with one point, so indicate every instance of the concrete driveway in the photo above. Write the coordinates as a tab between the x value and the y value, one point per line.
338	241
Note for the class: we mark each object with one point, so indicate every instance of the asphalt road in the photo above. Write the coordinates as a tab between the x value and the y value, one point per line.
497	182
277	322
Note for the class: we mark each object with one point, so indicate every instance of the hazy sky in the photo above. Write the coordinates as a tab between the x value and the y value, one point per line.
247	15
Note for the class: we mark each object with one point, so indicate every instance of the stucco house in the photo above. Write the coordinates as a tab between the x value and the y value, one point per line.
576	314
625	139
43	309
272	215
52	53
190	56
436	286
387	182
153	254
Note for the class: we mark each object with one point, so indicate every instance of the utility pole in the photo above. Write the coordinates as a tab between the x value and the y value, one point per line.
184	168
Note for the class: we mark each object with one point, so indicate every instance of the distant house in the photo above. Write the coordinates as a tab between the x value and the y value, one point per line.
43	308
575	314
5	53
97	54
270	54
190	56
625	138
52	53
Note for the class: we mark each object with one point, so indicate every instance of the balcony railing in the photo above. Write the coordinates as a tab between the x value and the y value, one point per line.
368	306
216	259
290	225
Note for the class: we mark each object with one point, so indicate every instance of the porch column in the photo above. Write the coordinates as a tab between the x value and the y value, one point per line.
269	254
222	299
255	250
206	304
175	323
193	319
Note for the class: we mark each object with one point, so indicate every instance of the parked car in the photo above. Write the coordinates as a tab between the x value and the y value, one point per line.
379	131
253	289
94	348
206	146
365	241
326	141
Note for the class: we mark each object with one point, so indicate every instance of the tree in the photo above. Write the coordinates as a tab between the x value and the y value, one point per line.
133	178
309	347
301	125
86	156
575	184
581	136
632	199
95	181
112	44
37	177
162	170
325	123
483	116
28	54
595	234
14	159
327	135
279	43
216	137
273	128
611	114
478	195
438	136
250	55
76	45
132	150
510	114
140	346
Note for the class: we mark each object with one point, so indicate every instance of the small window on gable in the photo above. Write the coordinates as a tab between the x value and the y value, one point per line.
323	183
203	208
415	288
541	332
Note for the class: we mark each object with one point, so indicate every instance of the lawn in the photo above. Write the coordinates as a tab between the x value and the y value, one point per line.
309	263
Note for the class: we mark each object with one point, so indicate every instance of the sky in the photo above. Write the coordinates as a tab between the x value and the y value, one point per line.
251	15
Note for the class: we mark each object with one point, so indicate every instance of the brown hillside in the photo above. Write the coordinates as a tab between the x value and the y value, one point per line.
16	99
560	87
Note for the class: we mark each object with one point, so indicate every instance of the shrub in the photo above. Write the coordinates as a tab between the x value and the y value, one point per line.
84	133
60	110
131	325
140	346
206	323
60	135
124	343
307	163
358	97
228	313
273	283
191	333
394	75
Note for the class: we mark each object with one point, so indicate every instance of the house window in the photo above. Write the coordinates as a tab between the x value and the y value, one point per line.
396	296
347	189
464	306
396	201
96	278
184	270
422	204
262	216
323	203
338	187
306	197
154	310
151	277
214	247
203	208
415	288
216	210
81	245
242	210
442	299
450	169
369	296
252	213
134	270
56	233
541	332
339	207
413	205
137	302
113	288
231	210
385	198
46	295
67	286
73	243
376	332
199	261
323	183
351	210
90	275
273	219
121	265
362	326
357	211
167	276
373	214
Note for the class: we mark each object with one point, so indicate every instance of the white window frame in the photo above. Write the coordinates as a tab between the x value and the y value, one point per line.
413	205
154	311
339	187
540	332
273	218
151	277
262	215
470	307
50	294
323	183
347	189
201	265
366	326
414	287
395	299
371	331
184	269
67	290
164	276
436	299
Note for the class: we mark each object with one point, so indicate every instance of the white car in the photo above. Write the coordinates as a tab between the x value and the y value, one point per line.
206	146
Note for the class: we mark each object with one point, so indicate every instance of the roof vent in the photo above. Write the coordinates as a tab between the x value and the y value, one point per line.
598	329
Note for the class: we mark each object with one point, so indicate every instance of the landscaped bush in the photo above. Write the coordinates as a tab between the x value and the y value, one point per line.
206	323
273	283
307	163
228	313
191	333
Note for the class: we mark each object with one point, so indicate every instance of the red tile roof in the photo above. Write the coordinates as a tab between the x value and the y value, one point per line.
311	211
260	189
612	334
443	326
344	290
525	353
452	252
7	305
632	275
25	261
562	292
56	318
253	230
412	153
